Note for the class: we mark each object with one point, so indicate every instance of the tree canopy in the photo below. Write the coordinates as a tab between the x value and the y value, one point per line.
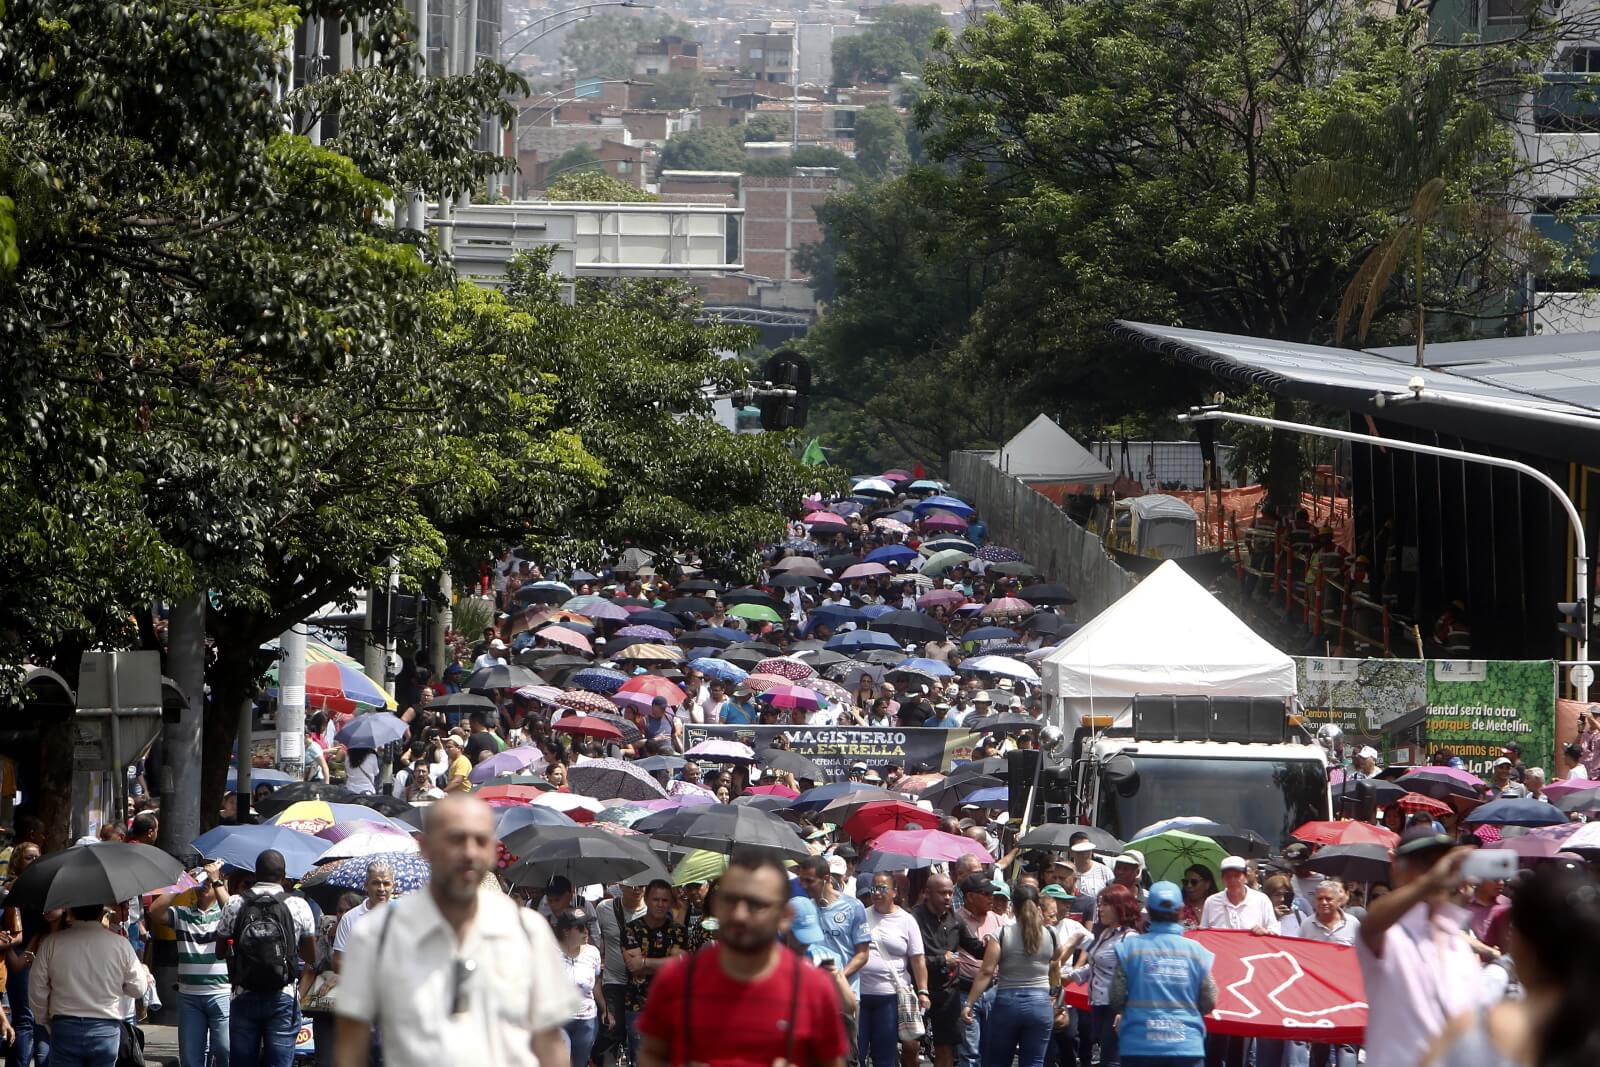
899	40
704	148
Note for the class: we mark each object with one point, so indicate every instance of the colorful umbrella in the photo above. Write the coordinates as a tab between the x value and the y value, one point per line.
778	790
760	683
1006	607
579	700
598	679
997	554
1416	803
1166	855
652	686
312	816
573	805
792	669
1344	832
755	613
792	697
826	518
340	687
700	865
881	816
720	669
649	633
588	726
930	844
607	779
942	598
652	653
511	761
325	884
892	526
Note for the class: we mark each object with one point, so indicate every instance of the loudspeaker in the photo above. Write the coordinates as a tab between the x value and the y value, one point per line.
1022	767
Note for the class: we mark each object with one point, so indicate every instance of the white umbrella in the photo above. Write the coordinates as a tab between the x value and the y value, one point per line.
368	844
1002	665
569	802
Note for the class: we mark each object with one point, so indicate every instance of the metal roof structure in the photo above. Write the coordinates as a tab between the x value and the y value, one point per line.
1536	394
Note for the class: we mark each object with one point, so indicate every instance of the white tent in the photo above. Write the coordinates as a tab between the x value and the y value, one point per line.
1167	637
1044	452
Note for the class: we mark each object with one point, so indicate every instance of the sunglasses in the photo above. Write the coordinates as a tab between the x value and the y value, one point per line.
1194	881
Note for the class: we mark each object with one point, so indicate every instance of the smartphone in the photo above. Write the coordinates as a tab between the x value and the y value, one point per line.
1486	863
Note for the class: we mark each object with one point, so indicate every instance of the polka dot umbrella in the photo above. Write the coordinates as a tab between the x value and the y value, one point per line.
580	700
327	883
760	683
599	679
792	669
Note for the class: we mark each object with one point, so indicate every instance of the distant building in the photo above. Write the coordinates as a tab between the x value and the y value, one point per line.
666	54
767	53
816	50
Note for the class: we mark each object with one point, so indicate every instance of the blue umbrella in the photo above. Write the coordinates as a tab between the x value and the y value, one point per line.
727	632
1516	811
601	680
874	611
239	846
994	794
892	554
720	669
938	668
834	614
944	503
659	619
515	818
990	633
260	776
410	874
816	799
857	640
372	730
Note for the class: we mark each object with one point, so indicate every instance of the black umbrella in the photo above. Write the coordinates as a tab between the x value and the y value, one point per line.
1042	622
701	639
751	595
880	657
542	594
295	792
994	765
763	646
841	563
1353	863
630	733
524	839
743	655
781	759
690	605
1057	837
1387	792
382	803
946	795
724	827
769	804
588	857
792	581
909	625
817	656
1047	594
105	872
501	676
462	702
1237	842
1009	722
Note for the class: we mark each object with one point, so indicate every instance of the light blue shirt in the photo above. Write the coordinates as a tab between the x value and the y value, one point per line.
844	926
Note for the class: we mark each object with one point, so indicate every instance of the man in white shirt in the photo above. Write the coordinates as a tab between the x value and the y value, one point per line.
458	974
1329	922
1237	906
1093	875
380	887
835	596
79	978
493	656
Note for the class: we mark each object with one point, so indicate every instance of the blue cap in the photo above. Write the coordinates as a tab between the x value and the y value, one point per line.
1164	898
806	927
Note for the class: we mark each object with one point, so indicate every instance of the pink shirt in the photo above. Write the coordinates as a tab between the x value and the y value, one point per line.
1425	975
967	966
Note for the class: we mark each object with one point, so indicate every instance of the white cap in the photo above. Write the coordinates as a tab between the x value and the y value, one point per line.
497	643
835	588
1234	863
1501	762
836	865
1081	846
1129	857
1367	752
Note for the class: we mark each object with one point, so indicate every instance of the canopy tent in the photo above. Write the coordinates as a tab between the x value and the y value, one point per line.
1162	526
1044	452
1167	637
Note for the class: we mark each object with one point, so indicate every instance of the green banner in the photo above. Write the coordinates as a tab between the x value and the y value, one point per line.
1475	706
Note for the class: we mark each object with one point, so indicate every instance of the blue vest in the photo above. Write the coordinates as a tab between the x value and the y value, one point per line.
1164	970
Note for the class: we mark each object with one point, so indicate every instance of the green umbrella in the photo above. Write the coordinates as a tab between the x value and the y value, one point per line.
1013	569
1168	854
940	562
755	613
699	866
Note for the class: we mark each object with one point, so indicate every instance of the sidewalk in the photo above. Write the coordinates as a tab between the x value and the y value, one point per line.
160	1045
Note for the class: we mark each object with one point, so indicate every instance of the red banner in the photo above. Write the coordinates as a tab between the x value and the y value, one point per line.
1279	987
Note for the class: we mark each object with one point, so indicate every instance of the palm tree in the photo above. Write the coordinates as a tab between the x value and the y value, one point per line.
1404	162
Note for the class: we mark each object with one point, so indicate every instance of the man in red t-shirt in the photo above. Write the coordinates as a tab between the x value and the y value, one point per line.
750	1001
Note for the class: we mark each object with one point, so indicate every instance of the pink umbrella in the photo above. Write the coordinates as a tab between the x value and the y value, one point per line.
941	598
672	803
1529	848
511	761
760	683
826	518
566	638
775	790
340	831
792	669
1001	607
717	750
930	844
1555	833
1557	790
944	521
792	696
864	570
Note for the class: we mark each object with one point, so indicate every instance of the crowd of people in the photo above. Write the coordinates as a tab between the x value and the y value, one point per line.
727	904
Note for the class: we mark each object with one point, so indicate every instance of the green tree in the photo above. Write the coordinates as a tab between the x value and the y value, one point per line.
768	126
595	186
602	46
574	160
704	148
899	40
679	88
880	136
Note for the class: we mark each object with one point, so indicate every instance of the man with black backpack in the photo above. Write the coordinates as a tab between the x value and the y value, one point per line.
270	934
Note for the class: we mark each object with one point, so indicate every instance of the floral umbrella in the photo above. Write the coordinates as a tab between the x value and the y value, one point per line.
649	633
579	700
608	779
891	525
411	873
792	669
997	554
599	679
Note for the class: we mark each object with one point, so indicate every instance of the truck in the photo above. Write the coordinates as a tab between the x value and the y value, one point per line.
1242	762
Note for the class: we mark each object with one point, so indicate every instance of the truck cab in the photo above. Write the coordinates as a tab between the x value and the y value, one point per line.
1229	762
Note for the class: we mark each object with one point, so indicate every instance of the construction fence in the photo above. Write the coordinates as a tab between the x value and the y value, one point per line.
1022	519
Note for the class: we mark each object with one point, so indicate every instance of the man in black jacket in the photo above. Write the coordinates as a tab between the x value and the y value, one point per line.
942	934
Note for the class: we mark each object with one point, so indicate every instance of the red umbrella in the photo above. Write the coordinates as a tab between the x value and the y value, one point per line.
942	597
520	793
826	518
870	820
930	844
588	726
1345	832
1417	803
652	686
1279	987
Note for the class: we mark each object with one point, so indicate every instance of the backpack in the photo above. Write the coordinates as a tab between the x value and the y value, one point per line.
263	954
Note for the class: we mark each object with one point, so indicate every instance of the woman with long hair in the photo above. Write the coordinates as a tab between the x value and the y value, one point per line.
1018	963
894	962
1118	920
1554	938
1198	884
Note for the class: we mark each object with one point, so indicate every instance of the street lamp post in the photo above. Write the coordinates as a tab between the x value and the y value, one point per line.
1580	559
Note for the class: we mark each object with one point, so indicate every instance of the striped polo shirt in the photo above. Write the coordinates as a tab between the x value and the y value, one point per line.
199	969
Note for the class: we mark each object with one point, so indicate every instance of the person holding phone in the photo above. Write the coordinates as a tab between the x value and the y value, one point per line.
203	988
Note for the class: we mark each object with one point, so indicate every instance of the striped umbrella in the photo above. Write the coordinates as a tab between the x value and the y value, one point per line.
651	652
1417	803
783	667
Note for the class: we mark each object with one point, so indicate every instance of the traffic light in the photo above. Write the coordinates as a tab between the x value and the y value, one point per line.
394	616
788	377
1576	615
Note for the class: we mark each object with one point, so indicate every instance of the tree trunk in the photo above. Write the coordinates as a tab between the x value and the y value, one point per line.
55	780
1283	464
233	685
181	768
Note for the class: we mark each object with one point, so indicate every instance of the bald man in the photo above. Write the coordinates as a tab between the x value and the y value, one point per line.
459	973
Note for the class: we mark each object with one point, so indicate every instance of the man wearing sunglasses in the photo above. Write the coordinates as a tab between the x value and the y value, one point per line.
459	973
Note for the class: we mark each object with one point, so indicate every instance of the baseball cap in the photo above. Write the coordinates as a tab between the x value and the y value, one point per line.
1512	746
1055	891
1234	863
1002	890
1164	898
1501	762
1367	752
497	644
1297	852
1422	839
1081	846
805	926
836	865
977	883
858	767
835	588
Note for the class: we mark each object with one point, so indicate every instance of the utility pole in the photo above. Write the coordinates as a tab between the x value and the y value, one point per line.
291	717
